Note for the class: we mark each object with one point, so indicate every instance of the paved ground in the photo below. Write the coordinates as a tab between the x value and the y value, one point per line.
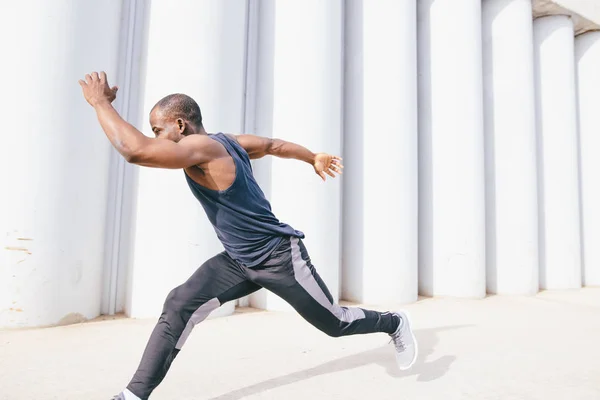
544	347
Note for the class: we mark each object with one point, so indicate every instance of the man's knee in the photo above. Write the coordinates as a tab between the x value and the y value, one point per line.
174	302
333	330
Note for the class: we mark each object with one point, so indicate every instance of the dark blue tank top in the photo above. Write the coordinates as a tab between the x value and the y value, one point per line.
241	214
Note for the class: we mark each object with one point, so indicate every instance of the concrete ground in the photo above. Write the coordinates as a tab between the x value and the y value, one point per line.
522	348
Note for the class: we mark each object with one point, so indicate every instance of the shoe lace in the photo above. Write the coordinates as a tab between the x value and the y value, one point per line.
398	342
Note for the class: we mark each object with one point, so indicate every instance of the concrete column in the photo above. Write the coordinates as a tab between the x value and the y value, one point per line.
54	160
196	48
560	246
380	148
451	149
300	92
511	171
587	56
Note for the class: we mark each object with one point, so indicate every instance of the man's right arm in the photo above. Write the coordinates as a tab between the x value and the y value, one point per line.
131	143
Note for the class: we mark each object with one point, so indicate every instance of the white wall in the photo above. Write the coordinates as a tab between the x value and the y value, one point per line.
54	160
83	232
451	162
556	113
380	148
306	91
511	171
196	48
587	56
122	176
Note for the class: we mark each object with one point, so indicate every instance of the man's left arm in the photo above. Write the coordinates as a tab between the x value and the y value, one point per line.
323	163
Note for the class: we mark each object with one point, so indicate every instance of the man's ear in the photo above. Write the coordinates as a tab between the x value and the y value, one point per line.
181	125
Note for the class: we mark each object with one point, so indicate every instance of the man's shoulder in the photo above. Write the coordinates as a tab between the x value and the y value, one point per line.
231	136
204	143
197	140
201	138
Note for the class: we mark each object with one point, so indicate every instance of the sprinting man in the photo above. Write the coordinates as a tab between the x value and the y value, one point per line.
260	251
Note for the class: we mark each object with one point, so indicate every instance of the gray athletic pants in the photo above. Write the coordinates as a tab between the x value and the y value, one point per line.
288	273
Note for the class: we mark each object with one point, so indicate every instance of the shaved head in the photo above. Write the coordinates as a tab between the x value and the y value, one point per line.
180	106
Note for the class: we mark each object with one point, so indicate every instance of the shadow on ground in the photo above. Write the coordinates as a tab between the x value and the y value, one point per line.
382	356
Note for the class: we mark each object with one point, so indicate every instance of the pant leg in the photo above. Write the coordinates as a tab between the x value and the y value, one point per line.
217	281
290	274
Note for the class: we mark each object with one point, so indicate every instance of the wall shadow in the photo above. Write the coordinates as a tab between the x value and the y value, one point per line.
582	45
539	127
425	149
353	145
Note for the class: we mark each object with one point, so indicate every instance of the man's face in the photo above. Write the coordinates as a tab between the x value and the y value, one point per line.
164	127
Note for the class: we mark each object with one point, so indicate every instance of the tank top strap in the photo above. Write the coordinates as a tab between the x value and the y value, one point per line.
233	148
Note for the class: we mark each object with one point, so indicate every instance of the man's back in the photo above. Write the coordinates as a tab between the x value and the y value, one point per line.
218	172
236	206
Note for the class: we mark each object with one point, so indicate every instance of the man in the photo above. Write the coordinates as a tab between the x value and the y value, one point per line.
260	251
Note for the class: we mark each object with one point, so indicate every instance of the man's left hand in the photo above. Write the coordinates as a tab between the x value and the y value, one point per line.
96	90
327	164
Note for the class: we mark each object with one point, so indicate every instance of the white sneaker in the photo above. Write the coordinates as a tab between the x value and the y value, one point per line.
405	342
